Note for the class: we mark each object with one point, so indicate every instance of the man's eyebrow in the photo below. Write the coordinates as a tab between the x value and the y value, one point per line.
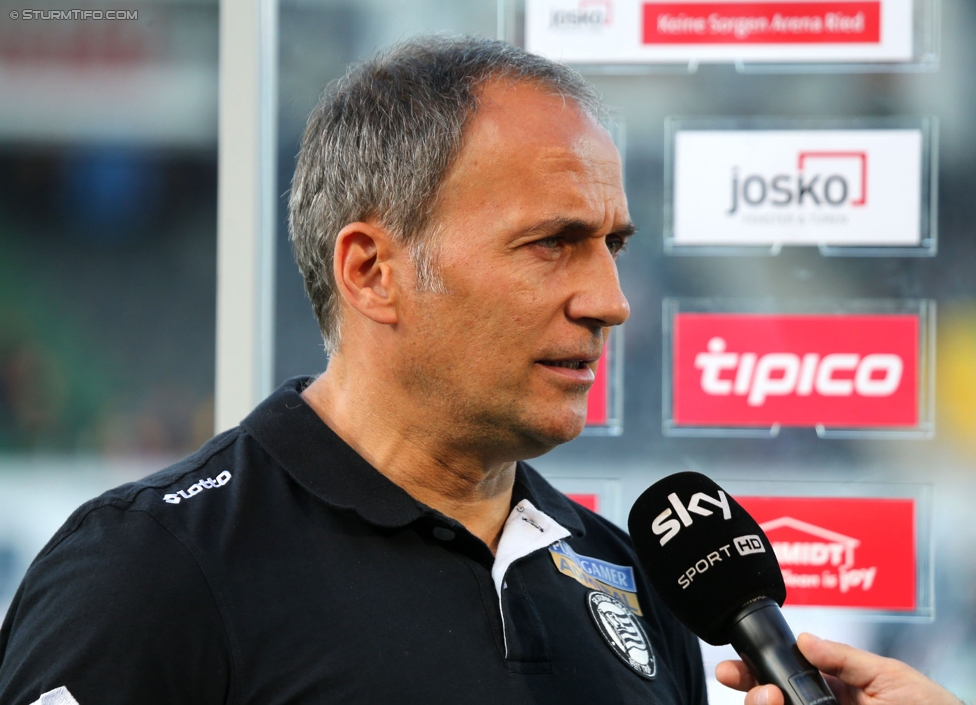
625	231
552	226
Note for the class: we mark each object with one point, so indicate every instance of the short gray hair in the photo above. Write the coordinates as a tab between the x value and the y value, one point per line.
381	140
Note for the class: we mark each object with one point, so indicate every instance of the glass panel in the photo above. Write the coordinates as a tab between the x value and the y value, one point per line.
108	138
319	39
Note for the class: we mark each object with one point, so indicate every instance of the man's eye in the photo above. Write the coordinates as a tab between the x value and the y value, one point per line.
616	245
550	243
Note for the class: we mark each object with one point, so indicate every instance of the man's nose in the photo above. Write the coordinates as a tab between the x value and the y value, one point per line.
598	296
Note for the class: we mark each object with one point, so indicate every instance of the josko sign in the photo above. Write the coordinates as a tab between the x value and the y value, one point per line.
662	31
841	371
797	187
842	552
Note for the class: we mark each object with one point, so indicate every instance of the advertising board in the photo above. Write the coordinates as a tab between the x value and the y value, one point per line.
826	187
669	31
842	551
760	369
604	403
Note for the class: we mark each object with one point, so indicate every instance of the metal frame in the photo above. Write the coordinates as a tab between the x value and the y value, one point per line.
246	207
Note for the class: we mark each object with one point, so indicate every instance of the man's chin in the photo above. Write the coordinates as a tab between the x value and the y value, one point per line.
546	436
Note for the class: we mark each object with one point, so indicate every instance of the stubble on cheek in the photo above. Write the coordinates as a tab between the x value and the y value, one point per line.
473	390
470	364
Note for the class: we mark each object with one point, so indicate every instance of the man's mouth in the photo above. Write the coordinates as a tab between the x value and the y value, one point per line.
570	364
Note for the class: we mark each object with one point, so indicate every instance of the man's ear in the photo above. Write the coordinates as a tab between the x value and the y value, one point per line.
363	267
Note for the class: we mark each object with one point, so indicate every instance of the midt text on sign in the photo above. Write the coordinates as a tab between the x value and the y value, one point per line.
842	551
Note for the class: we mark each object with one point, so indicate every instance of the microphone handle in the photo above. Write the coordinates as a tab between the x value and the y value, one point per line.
765	643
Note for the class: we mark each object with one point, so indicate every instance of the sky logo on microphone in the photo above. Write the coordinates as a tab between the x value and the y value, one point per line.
749	544
662	524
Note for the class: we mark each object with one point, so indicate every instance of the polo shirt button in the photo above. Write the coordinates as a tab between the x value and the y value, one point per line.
443	533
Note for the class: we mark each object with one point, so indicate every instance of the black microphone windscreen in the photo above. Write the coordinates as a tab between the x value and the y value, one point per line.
703	553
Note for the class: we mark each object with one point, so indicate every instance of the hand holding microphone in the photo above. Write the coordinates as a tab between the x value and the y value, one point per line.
857	678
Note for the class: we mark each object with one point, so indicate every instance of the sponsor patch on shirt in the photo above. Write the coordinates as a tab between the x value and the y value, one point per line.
596	574
623	633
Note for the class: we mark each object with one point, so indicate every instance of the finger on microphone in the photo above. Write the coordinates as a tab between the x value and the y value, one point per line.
736	675
764	695
852	666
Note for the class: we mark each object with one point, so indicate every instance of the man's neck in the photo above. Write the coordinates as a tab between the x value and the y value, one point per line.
407	449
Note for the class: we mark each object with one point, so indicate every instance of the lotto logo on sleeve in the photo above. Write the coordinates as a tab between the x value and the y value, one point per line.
796	370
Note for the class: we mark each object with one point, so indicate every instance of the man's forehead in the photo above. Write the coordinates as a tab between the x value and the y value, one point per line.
524	128
495	92
529	111
529	155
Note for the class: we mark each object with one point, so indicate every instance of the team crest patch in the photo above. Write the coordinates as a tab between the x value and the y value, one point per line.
622	632
615	580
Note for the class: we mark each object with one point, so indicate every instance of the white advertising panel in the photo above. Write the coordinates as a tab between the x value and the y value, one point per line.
829	187
683	31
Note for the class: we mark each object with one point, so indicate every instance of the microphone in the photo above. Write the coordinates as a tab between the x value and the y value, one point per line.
716	571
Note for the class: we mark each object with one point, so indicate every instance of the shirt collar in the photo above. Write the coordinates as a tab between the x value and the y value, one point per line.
321	462
530	485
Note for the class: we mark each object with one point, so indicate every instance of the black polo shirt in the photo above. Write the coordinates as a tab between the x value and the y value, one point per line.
276	566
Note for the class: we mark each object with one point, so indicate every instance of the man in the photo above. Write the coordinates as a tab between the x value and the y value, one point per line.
372	535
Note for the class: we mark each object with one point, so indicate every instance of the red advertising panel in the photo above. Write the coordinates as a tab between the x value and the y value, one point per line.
590	501
835	22
842	552
597	401
839	371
